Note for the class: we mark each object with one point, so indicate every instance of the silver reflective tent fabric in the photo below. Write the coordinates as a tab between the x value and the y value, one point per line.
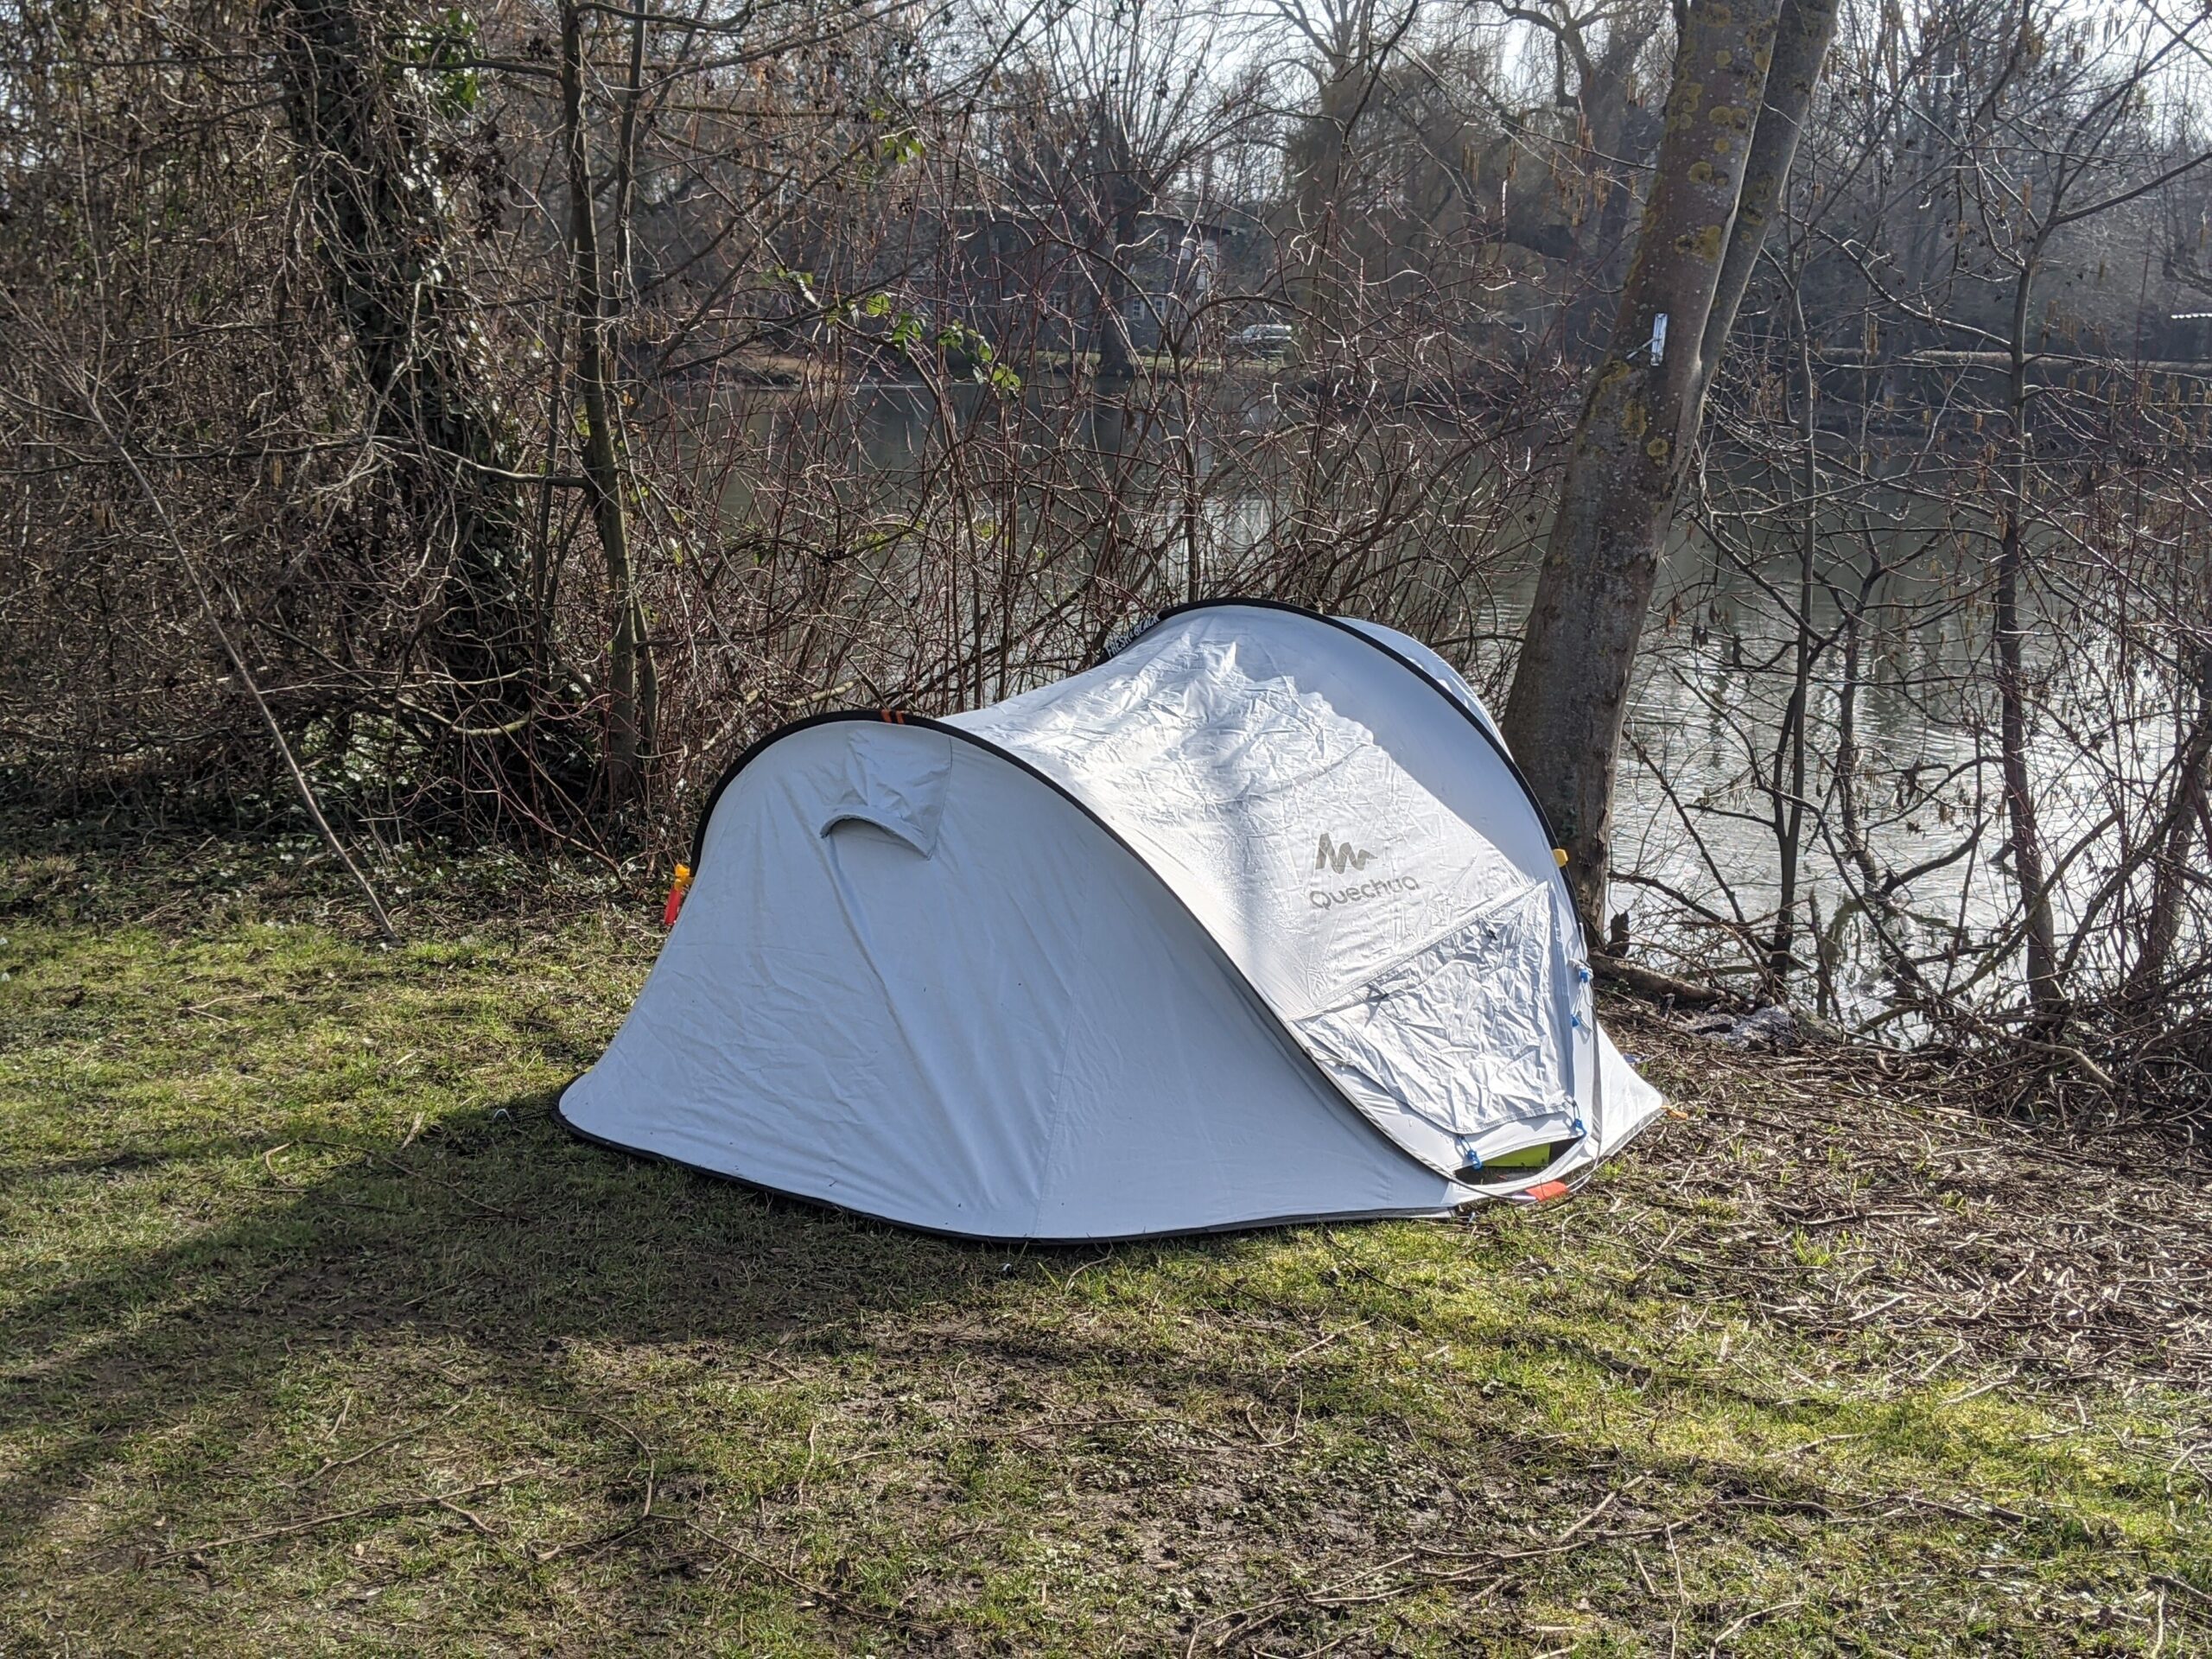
1256	922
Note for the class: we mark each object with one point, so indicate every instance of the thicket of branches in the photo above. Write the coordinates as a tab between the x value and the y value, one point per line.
493	419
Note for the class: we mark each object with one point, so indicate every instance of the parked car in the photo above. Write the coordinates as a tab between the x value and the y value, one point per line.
1261	339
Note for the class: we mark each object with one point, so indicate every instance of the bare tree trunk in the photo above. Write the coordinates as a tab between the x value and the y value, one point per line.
1876	894
380	237
1606	93
2023	832
1117	358
1803	31
1790	743
625	162
632	290
2171	874
1318	289
1851	832
626	739
1570	687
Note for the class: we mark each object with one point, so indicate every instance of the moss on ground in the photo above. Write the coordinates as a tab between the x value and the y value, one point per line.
318	1333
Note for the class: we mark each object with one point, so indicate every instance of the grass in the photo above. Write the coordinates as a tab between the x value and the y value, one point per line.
318	1334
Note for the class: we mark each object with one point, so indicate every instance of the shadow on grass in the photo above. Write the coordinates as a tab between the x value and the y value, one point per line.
497	1231
539	1265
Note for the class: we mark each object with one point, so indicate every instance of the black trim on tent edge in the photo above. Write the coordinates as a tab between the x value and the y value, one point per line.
1023	1241
1543	818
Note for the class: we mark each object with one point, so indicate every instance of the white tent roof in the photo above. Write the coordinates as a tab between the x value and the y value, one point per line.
1255	922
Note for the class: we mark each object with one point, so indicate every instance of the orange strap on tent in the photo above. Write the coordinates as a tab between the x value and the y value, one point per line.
676	889
1545	1192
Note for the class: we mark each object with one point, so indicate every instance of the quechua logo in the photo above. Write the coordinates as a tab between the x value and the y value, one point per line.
1339	856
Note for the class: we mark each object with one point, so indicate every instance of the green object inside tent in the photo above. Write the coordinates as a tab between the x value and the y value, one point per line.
1540	1156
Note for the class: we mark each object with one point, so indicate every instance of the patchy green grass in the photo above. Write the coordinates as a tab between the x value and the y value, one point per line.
318	1333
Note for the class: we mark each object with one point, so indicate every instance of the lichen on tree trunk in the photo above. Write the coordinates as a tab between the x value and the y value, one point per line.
1727	127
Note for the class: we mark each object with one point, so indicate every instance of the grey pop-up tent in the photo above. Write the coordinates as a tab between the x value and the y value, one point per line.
1256	922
